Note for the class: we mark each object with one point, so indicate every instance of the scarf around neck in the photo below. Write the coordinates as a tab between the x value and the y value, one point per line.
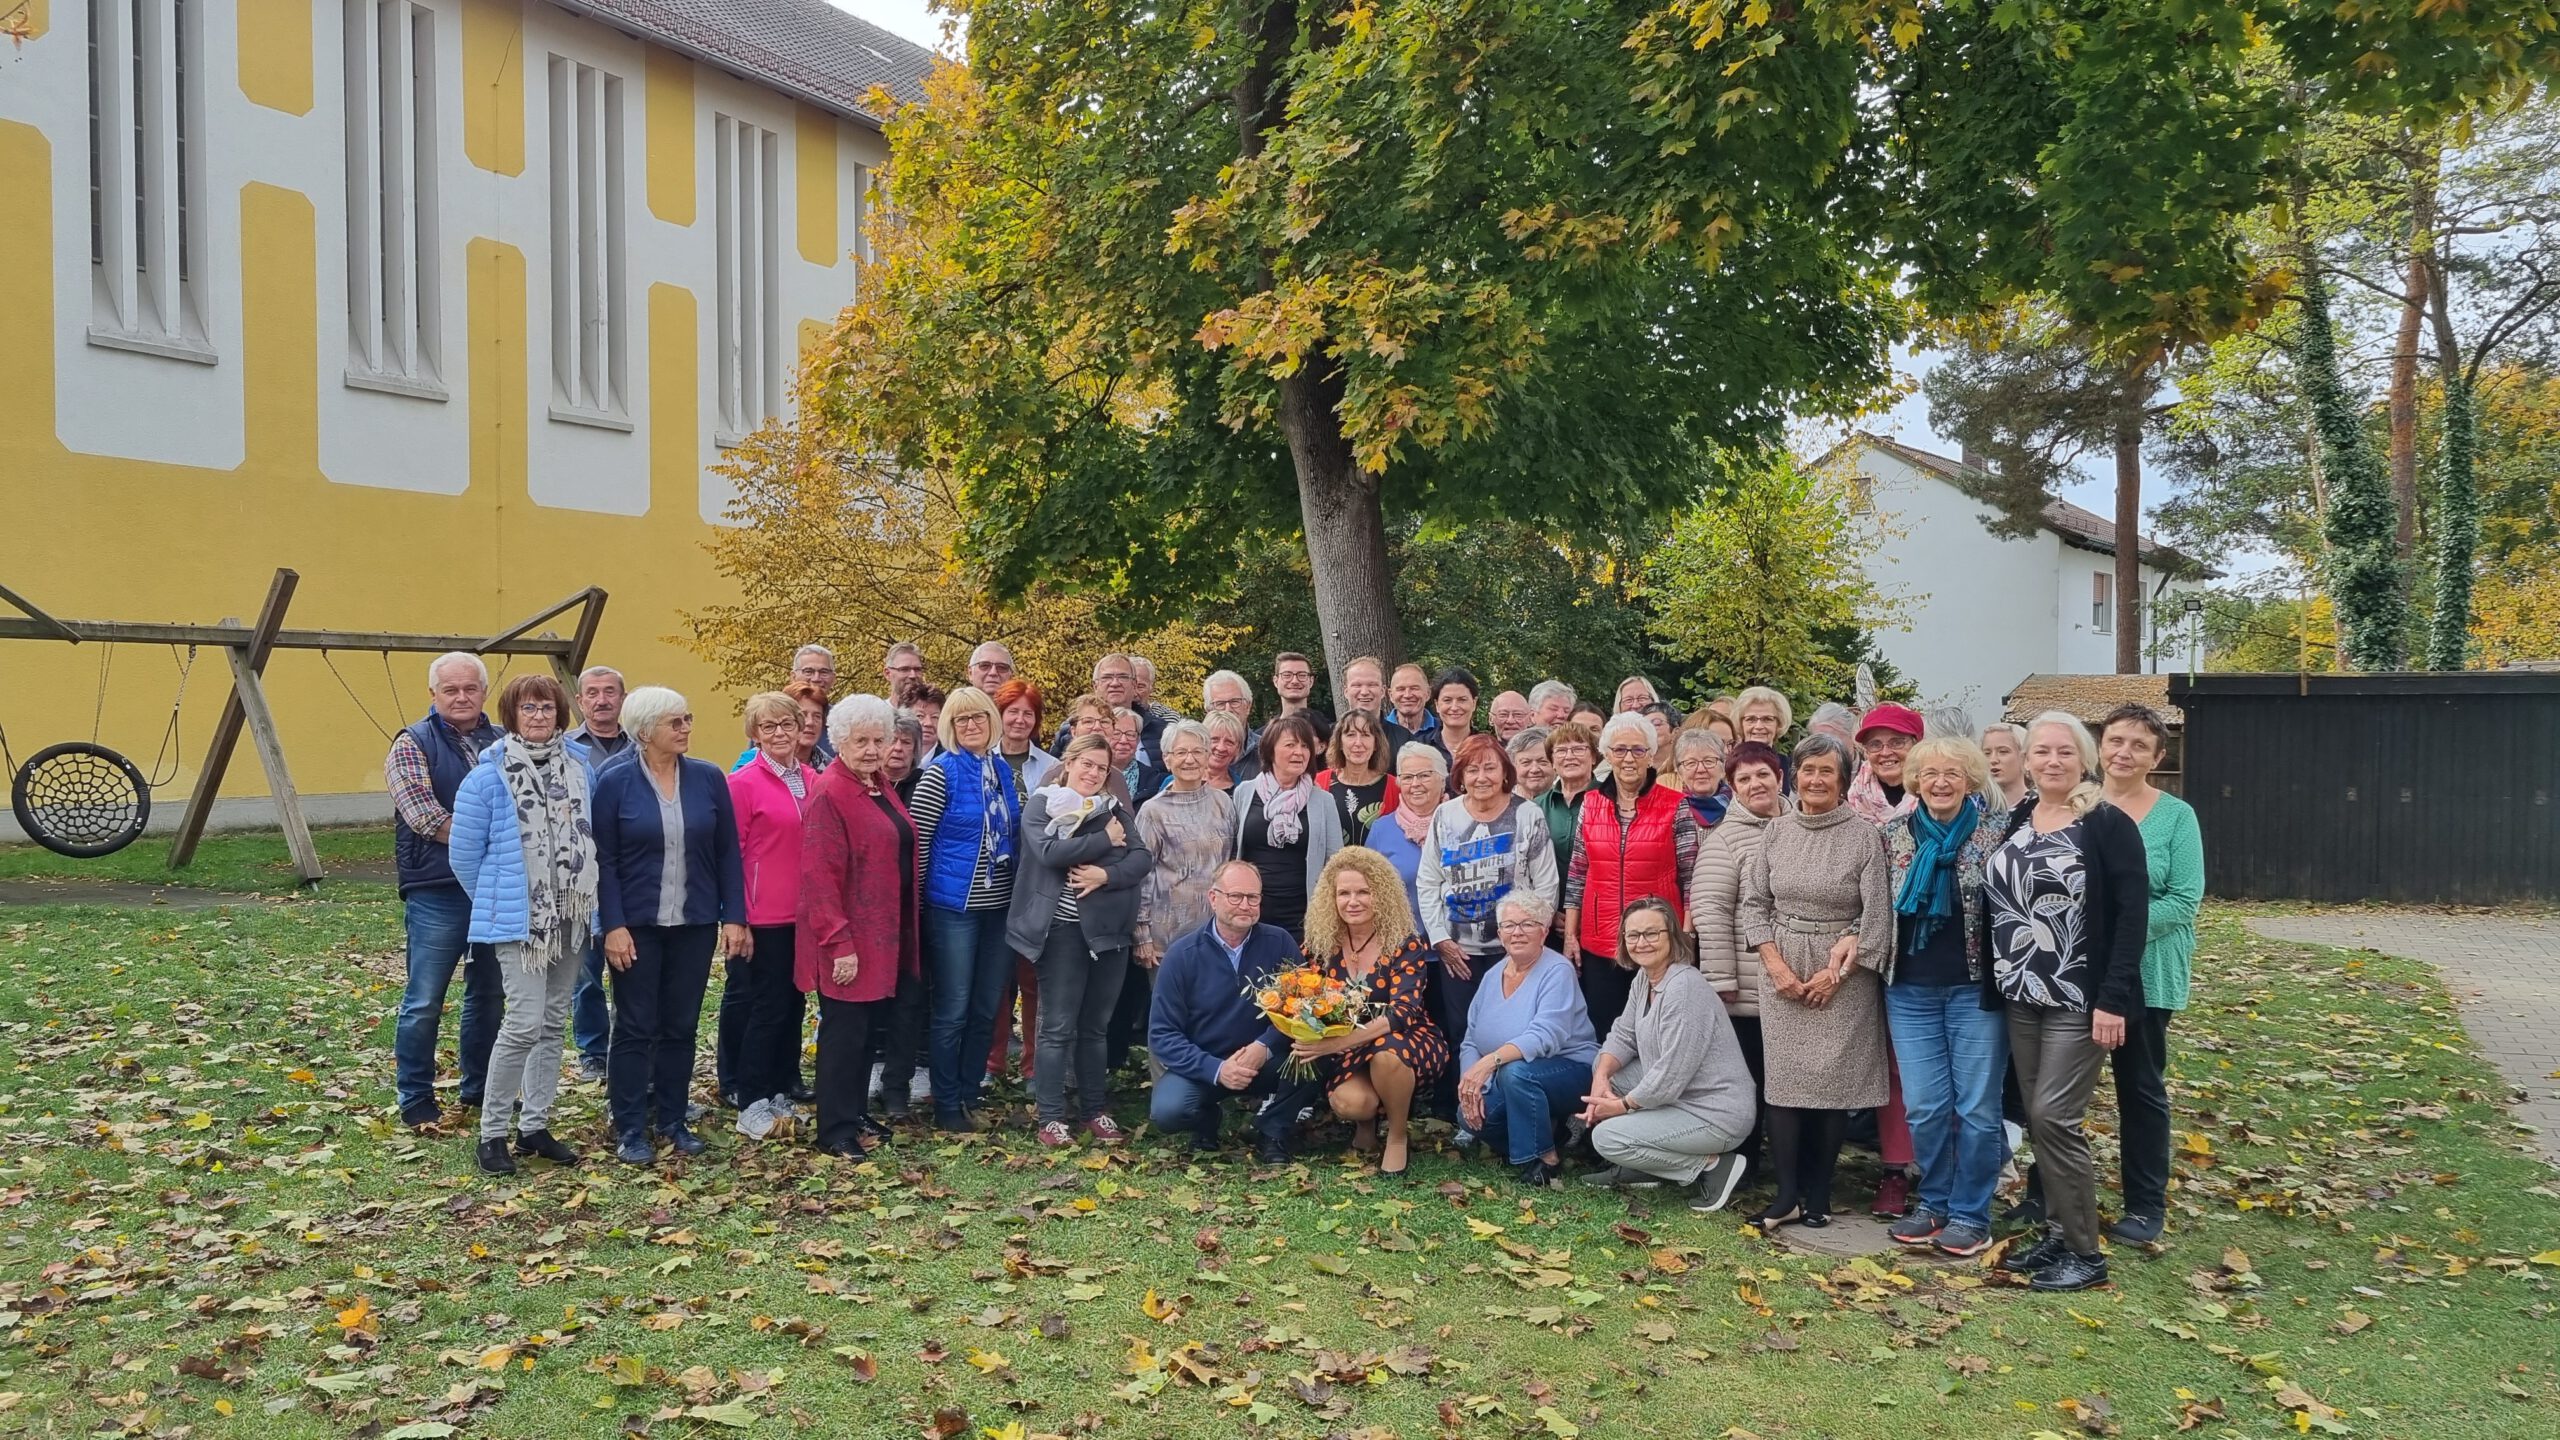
996	812
1414	826
1285	811
1928	897
1710	809
1069	810
549	793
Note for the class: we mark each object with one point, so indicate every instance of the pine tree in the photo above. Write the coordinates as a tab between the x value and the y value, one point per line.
2362	565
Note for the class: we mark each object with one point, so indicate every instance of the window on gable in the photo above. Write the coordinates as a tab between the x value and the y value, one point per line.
747	164
2102	602
145	203
590	309
395	299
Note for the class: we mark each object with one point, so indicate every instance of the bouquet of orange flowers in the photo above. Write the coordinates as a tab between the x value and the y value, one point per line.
1307	1005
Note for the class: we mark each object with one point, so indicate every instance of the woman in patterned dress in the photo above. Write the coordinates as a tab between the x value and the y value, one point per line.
1360	929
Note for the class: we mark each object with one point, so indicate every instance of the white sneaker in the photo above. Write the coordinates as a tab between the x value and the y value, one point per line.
757	1120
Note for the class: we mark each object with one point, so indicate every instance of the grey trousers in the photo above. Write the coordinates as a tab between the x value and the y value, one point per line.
524	1065
1078	991
2057	1072
1673	1145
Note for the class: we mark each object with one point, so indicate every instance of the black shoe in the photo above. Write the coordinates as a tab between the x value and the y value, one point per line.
2136	1230
633	1149
2071	1271
1536	1174
1715	1185
541	1142
1780	1212
957	1122
801	1094
732	1100
2027	1214
896	1112
422	1115
684	1141
2031	1258
1270	1150
1203	1147
1814	1220
875	1131
495	1159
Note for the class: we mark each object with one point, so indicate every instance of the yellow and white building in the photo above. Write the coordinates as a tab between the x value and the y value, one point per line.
450	305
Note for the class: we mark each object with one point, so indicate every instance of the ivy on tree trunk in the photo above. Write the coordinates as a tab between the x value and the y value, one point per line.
2457	529
2363	562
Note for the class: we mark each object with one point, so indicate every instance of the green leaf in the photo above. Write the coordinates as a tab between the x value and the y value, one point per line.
736	1414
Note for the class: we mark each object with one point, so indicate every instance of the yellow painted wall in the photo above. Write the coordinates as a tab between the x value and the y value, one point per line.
815	143
275	54
105	538
669	108
493	85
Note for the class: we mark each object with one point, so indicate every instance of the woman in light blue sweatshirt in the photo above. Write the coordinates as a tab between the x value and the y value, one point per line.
1526	1062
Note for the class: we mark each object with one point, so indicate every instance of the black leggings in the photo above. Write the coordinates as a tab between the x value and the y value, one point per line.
1804	1149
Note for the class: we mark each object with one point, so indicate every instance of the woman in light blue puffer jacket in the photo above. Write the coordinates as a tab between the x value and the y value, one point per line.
524	849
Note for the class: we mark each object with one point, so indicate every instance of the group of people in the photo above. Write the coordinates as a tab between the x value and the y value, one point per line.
1689	945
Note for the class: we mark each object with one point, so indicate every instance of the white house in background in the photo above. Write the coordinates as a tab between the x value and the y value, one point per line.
1981	613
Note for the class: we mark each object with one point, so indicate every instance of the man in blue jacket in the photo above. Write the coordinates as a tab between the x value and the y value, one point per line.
1204	1028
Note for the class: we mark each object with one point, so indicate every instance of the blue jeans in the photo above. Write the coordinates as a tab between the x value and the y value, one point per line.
1528	1099
1182	1105
590	1019
969	957
438	920
1953	1055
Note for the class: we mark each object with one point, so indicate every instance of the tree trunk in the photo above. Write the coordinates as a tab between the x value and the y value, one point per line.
1345	526
2457	523
2129	597
2404	360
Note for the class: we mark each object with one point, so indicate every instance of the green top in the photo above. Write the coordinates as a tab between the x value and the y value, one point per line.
2174	845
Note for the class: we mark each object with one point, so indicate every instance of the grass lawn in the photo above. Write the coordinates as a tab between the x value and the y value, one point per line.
209	1226
248	863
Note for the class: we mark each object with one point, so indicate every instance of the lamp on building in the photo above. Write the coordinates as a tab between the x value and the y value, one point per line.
2194	607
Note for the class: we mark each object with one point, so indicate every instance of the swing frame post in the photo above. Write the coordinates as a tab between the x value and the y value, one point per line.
246	706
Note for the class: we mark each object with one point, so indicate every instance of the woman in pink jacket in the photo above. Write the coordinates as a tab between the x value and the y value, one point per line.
769	793
861	905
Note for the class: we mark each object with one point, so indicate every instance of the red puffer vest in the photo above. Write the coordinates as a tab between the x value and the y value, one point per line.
1647	863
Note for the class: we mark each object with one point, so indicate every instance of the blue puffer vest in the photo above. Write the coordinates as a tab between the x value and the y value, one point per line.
421	861
954	861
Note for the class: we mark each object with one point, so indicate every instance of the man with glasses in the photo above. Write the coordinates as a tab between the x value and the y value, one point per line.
1293	679
1115	680
902	666
815	664
1206	1031
990	665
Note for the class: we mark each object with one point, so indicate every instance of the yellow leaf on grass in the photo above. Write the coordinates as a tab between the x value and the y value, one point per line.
199	1121
496	1357
2547	1257
1159	1309
1482	1229
988	1361
358	1316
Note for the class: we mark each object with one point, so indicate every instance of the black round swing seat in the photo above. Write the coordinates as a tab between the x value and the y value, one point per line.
80	800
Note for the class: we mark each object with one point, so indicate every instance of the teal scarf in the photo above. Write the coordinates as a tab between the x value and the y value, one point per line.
1928	897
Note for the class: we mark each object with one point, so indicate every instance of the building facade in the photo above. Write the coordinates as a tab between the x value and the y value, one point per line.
1979	612
450	305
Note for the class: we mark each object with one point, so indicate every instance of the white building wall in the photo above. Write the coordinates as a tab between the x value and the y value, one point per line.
1978	612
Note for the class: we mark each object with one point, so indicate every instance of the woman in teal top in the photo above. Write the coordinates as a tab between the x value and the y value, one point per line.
2132	740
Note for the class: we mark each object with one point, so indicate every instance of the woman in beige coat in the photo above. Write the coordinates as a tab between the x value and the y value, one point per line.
1756	772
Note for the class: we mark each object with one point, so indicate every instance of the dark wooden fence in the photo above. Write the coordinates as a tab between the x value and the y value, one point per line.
2408	788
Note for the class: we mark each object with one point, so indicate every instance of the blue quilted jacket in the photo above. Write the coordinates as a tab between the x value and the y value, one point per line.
488	849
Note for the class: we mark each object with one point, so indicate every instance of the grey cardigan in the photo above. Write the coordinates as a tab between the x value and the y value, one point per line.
1676	1051
1108	916
1324	829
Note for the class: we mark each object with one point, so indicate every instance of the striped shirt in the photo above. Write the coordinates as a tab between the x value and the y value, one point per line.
990	885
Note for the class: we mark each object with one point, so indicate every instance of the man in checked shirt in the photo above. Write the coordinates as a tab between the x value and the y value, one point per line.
428	763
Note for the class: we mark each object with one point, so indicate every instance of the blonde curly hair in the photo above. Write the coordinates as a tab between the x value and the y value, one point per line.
1386	887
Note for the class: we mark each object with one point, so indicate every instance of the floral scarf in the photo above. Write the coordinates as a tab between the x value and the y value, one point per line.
1284	810
549	792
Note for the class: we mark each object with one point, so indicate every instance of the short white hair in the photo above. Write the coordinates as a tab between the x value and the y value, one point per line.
649	707
1209	687
1144	667
860	714
436	666
1763	695
1630	720
986	645
813	648
1428	751
593	671
1191	730
1545	690
1538	908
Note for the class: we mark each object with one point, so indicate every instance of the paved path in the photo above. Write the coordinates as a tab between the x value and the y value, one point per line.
2504	971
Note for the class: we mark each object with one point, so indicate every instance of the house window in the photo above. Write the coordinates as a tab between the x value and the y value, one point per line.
2102	602
145	201
862	198
395	311
747	164
590	316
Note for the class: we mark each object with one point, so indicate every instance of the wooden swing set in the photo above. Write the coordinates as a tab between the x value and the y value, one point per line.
83	799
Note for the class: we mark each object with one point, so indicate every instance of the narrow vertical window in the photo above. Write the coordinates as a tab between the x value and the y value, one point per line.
394	300
144	206
590	319
2102	603
746	173
862	198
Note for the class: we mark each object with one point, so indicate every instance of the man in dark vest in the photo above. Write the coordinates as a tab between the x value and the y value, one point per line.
428	763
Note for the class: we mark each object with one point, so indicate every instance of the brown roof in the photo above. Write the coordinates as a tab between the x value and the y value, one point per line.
2084	529
2089	697
805	48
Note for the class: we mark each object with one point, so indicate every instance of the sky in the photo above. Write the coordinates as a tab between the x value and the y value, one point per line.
909	19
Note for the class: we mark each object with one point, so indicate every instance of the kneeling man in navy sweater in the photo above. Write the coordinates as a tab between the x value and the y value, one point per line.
1204	1028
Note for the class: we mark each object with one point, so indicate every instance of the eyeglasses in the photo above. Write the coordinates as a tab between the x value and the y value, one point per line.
1107	676
915	667
1238	897
537	707
1632	936
1631	751
1516	922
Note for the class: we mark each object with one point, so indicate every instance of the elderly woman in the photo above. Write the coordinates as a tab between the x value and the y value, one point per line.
1190	829
1227	736
2004	749
759	1047
1422	783
1697	758
1635	838
860	909
1886	734
2068	893
669	891
1573	749
1285	827
1634	693
1359	931
1817	907
1715	903
1525	1063
1484	843
1670	1097
1453	704
1534	766
1019	706
523	846
906	743
2132	741
1764	715
967	819
1075	905
1356	774
1952	1050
